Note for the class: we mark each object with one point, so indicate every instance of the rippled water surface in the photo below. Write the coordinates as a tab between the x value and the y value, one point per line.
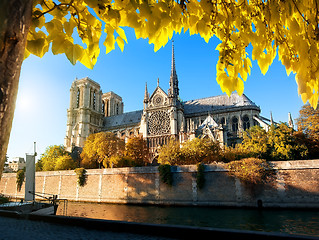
270	220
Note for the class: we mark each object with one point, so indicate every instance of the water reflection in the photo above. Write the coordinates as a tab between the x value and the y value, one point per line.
287	221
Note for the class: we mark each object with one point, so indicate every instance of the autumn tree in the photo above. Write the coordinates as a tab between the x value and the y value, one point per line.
65	163
74	27
200	150
136	149
51	156
255	141
284	145
170	153
308	122
191	152
278	143
308	129
101	148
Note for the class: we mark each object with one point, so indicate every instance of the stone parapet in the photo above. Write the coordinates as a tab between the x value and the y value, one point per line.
296	184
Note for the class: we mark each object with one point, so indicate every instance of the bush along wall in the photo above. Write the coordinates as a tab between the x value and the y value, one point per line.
200	176
82	177
166	174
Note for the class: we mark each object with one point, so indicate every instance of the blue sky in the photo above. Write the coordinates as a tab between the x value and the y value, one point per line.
43	97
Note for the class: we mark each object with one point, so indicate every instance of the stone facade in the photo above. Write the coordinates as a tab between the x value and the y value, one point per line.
163	117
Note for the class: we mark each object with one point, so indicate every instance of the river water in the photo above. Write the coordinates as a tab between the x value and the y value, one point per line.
305	222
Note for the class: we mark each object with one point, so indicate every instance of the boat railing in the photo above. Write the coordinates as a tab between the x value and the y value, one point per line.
53	199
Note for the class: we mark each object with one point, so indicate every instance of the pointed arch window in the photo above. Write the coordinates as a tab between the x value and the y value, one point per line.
91	93
222	121
117	109
78	98
103	107
246	123
94	100
235	124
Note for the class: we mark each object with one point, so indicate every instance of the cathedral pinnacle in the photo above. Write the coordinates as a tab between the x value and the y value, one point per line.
173	83
146	94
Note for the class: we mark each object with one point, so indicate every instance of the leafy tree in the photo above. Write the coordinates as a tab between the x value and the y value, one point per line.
308	129
279	143
308	122
65	163
234	153
51	155
39	165
192	152
99	148
255	141
117	161
74	27
136	149
20	178
200	150
170	153
284	145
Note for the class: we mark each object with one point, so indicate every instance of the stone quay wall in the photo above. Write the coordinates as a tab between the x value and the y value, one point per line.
296	184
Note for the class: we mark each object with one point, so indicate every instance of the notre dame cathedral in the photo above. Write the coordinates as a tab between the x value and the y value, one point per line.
164	116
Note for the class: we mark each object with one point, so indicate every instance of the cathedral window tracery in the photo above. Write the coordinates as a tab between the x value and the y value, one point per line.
94	100
78	98
159	123
235	124
222	121
246	123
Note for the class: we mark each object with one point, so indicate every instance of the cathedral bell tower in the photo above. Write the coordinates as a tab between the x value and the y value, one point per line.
85	115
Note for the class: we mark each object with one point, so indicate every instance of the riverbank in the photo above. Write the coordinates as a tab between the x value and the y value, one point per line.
295	185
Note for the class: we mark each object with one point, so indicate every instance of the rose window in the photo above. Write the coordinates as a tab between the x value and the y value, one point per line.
159	123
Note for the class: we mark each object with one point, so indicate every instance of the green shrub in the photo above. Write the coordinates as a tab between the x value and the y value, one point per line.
200	176
166	174
3	199
82	177
250	170
20	179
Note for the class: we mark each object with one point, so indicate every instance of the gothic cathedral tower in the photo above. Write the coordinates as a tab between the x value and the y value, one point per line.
85	115
163	116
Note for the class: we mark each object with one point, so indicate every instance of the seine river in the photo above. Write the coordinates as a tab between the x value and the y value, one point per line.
304	222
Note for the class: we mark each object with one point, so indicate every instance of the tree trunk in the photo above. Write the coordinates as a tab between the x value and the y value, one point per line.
15	19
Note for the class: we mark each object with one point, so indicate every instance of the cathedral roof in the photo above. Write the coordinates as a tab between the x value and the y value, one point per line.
125	120
219	103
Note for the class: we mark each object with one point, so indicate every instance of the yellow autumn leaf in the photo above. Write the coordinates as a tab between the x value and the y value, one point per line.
120	43
74	53
121	32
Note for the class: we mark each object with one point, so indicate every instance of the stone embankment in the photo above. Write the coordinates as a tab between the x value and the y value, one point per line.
296	184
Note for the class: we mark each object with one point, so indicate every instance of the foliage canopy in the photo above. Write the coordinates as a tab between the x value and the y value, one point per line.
271	27
101	148
279	143
193	151
308	129
53	157
137	150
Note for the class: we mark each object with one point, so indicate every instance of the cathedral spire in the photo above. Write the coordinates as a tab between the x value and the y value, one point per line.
146	94
173	83
290	122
